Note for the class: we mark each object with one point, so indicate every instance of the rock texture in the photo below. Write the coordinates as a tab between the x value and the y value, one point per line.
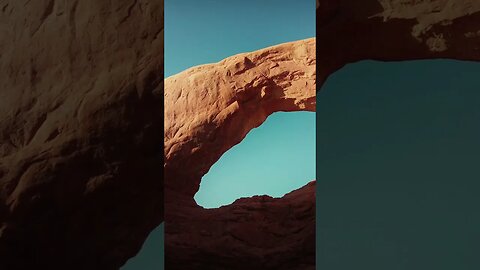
209	109
80	131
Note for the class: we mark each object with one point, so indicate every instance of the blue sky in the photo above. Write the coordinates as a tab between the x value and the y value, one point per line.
200	32
275	158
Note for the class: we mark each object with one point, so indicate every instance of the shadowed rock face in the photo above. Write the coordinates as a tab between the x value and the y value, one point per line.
209	109
80	132
80	99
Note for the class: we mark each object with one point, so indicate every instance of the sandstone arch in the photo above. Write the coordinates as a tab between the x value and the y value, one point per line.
209	109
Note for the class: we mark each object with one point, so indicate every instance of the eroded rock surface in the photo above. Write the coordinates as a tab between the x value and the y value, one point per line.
80	132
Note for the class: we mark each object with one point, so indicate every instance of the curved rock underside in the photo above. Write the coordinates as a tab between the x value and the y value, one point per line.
80	159
392	30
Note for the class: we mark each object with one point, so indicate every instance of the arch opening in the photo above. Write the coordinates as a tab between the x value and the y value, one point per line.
273	159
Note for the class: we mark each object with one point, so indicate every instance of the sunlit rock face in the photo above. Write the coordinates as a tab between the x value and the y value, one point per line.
80	131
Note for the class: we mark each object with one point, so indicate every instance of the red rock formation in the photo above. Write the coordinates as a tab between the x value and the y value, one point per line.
209	109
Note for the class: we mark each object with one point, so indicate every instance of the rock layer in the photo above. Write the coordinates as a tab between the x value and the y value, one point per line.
209	109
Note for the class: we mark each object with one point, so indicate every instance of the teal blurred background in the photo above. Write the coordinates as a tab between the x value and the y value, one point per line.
398	150
200	32
151	257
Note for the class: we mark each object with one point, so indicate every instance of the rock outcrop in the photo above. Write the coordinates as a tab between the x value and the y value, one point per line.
209	109
81	99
